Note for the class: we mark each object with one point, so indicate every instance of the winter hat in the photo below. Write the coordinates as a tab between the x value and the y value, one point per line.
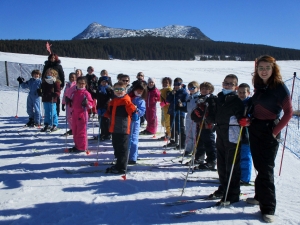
103	78
150	79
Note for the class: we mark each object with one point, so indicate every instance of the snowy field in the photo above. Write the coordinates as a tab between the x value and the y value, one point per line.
35	188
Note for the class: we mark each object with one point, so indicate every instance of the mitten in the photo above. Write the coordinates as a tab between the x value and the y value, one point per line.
63	107
39	91
84	102
135	116
244	121
20	80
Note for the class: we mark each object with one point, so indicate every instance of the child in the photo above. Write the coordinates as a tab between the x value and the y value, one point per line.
120	110
140	78
177	110
138	96
104	95
81	101
33	100
92	83
78	73
165	117
104	73
126	80
190	125
50	92
224	112
246	158
70	84
206	143
152	98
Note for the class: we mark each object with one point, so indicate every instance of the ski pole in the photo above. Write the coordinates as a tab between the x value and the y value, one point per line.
18	101
195	148
66	147
18	93
286	129
129	146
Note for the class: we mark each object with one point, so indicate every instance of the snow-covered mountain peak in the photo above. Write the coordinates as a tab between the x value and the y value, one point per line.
96	30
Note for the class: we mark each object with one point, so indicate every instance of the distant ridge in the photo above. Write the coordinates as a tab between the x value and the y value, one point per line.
98	31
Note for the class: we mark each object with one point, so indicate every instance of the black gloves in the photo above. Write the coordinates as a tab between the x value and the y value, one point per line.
39	91
63	107
84	102
20	80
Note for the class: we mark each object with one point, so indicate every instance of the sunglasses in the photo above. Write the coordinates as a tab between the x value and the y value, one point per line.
119	89
125	80
228	84
192	88
264	69
177	84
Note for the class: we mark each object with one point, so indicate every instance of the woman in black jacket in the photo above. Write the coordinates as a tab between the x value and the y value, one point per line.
54	63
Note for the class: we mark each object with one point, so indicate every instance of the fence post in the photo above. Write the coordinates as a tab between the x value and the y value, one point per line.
6	73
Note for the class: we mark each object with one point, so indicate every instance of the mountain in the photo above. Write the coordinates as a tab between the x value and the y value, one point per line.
98	31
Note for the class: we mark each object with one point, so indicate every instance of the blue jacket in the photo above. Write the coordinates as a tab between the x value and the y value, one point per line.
32	84
181	95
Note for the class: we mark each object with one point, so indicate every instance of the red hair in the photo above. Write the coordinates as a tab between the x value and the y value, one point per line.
275	78
51	55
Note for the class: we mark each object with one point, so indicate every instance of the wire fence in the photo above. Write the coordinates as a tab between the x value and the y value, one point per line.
293	136
10	71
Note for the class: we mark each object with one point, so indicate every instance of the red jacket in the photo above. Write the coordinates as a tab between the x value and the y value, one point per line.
48	90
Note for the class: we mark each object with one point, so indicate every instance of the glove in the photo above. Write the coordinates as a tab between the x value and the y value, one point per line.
63	107
84	102
202	106
244	122
39	91
162	104
135	116
20	80
197	113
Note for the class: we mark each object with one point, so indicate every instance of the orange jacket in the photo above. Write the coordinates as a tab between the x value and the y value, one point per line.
120	111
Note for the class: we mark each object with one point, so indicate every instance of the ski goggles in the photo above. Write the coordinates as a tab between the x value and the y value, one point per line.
177	83
119	89
192	88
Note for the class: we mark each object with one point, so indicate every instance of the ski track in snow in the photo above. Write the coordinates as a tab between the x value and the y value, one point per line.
35	189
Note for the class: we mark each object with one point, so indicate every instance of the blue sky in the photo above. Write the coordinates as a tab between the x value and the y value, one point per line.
275	23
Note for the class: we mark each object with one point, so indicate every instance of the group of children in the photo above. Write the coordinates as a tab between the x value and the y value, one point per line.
183	110
190	116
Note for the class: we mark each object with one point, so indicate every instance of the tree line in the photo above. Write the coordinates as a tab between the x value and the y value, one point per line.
149	48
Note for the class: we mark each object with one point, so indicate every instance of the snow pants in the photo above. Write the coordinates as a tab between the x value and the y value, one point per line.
151	118
34	108
79	129
190	129
165	120
133	155
246	163
50	114
225	155
206	144
120	144
264	149
175	123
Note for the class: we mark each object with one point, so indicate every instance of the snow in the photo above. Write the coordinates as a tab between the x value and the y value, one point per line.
35	189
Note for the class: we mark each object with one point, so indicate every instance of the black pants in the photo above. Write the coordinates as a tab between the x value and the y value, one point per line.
120	144
58	106
104	126
206	144
175	125
225	156
264	149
